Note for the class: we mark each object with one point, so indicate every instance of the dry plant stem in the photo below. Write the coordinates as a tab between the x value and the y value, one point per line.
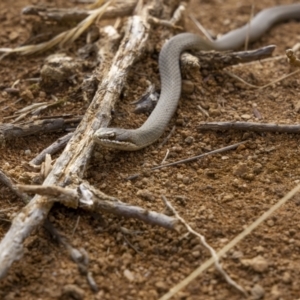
120	8
71	165
52	149
219	60
206	245
66	37
201	28
87	197
264	86
80	257
230	245
231	147
183	161
249	26
168	137
248	126
104	203
4	179
10	131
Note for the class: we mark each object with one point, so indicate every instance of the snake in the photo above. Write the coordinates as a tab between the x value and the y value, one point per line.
169	69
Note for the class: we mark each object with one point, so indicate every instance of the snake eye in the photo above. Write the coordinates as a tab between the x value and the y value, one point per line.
109	135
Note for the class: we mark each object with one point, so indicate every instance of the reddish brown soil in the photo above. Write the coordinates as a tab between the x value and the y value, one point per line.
218	196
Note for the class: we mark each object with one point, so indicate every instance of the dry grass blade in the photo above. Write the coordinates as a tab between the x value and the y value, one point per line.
35	109
74	33
230	245
63	38
264	86
206	245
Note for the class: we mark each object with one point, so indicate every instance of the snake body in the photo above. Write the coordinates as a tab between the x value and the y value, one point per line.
169	68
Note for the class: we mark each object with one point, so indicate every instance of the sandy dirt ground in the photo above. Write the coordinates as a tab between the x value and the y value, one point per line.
219	195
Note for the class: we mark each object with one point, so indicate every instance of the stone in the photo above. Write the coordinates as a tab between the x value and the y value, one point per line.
258	263
146	195
72	291
129	275
257	292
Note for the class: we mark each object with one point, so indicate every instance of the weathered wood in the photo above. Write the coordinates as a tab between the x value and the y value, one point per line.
72	163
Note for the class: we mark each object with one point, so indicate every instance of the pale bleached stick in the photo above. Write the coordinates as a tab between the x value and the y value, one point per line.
53	148
250	126
7	181
120	8
72	163
206	245
9	131
230	245
89	198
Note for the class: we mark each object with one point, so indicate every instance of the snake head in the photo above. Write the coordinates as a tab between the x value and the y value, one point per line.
115	138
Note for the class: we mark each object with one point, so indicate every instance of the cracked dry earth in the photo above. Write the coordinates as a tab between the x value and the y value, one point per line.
218	196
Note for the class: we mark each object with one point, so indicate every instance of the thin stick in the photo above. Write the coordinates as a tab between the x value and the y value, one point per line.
4	179
249	27
230	245
52	149
75	227
234	146
249	126
73	162
264	86
201	28
166	156
168	137
206	245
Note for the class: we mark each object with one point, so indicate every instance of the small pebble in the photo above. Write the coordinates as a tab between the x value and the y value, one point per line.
275	292
179	176
258	263
246	117
188	87
228	198
257	292
128	275
286	278
175	265
27	95
189	140
237	254
146	195
13	36
240	170
214	112
186	180
196	254
161	286
27	152
72	291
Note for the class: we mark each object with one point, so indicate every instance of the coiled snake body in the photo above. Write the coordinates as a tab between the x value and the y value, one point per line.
169	68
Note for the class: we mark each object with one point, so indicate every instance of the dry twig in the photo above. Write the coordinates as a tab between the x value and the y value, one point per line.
183	161
71	165
10	131
87	197
249	126
4	179
52	149
230	245
63	38
206	245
